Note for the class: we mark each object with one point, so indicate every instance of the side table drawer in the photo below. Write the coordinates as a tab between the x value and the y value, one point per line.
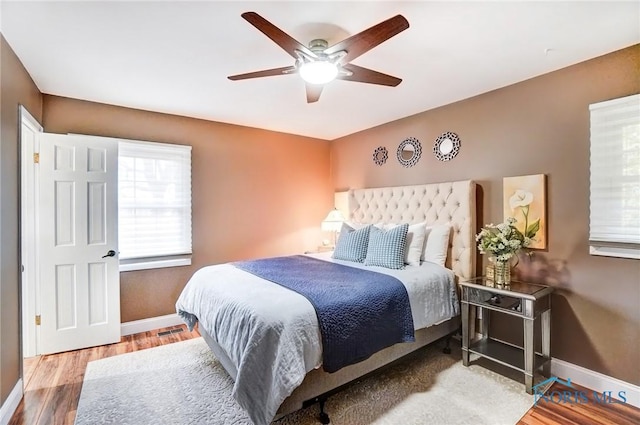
484	298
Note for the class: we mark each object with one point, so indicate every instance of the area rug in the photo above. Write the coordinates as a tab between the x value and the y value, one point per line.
183	383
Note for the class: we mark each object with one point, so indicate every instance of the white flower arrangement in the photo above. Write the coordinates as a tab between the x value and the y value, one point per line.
502	240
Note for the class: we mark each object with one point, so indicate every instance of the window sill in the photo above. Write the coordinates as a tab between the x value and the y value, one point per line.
610	251
150	263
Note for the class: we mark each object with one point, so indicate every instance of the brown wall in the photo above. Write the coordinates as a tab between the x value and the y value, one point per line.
16	88
533	127
255	192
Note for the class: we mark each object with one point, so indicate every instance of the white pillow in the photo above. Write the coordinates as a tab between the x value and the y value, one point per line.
358	226
437	244
415	242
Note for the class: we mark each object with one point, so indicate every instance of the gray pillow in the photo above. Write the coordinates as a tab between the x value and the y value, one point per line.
352	244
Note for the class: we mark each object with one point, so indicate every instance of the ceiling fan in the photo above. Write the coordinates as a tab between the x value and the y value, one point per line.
319	64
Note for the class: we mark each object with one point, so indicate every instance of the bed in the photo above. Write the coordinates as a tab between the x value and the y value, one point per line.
279	370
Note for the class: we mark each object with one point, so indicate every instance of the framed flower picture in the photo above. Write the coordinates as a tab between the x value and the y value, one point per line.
524	199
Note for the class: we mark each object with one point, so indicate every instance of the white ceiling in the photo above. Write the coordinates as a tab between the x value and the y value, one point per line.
174	57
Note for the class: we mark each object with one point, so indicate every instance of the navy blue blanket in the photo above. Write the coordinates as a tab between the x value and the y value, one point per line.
359	311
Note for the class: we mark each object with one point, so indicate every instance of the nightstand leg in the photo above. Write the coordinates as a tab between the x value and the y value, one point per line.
465	334
473	315
484	316
545	325
529	354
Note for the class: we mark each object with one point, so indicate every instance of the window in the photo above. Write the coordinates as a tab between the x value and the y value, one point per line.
154	205
615	178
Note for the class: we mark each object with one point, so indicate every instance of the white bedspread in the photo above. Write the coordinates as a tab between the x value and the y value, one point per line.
271	334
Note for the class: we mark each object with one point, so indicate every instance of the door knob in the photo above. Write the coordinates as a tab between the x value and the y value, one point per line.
111	253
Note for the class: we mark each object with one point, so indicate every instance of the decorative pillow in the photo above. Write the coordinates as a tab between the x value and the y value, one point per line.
415	242
387	247
436	244
352	244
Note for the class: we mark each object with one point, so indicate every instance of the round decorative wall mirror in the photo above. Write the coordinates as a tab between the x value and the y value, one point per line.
380	155
447	146
409	152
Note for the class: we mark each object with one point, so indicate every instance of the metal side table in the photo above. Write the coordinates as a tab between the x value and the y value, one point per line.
525	300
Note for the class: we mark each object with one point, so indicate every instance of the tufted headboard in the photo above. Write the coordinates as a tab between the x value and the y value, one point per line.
438	203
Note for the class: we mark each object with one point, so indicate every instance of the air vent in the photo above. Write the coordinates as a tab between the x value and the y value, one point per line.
172	331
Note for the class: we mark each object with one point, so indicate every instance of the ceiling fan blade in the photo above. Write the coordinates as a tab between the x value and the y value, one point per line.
313	92
366	40
366	75
265	73
278	36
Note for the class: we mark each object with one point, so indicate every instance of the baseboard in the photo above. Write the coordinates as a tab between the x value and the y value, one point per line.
10	405
144	325
595	380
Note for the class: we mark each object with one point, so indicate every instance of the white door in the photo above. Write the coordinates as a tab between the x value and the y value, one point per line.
29	139
78	234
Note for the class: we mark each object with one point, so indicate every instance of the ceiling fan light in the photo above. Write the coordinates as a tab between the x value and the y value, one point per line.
318	72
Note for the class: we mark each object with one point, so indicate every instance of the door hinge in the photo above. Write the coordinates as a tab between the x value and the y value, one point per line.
38	321
36	158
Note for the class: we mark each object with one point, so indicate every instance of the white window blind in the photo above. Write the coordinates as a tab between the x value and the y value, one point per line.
615	177
154	195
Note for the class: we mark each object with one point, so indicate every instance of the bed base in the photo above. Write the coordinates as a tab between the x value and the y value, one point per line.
318	385
447	344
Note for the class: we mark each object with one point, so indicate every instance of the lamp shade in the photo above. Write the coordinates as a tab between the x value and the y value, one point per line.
318	72
333	221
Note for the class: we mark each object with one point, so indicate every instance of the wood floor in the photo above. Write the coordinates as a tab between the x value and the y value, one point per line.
53	384
587	411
